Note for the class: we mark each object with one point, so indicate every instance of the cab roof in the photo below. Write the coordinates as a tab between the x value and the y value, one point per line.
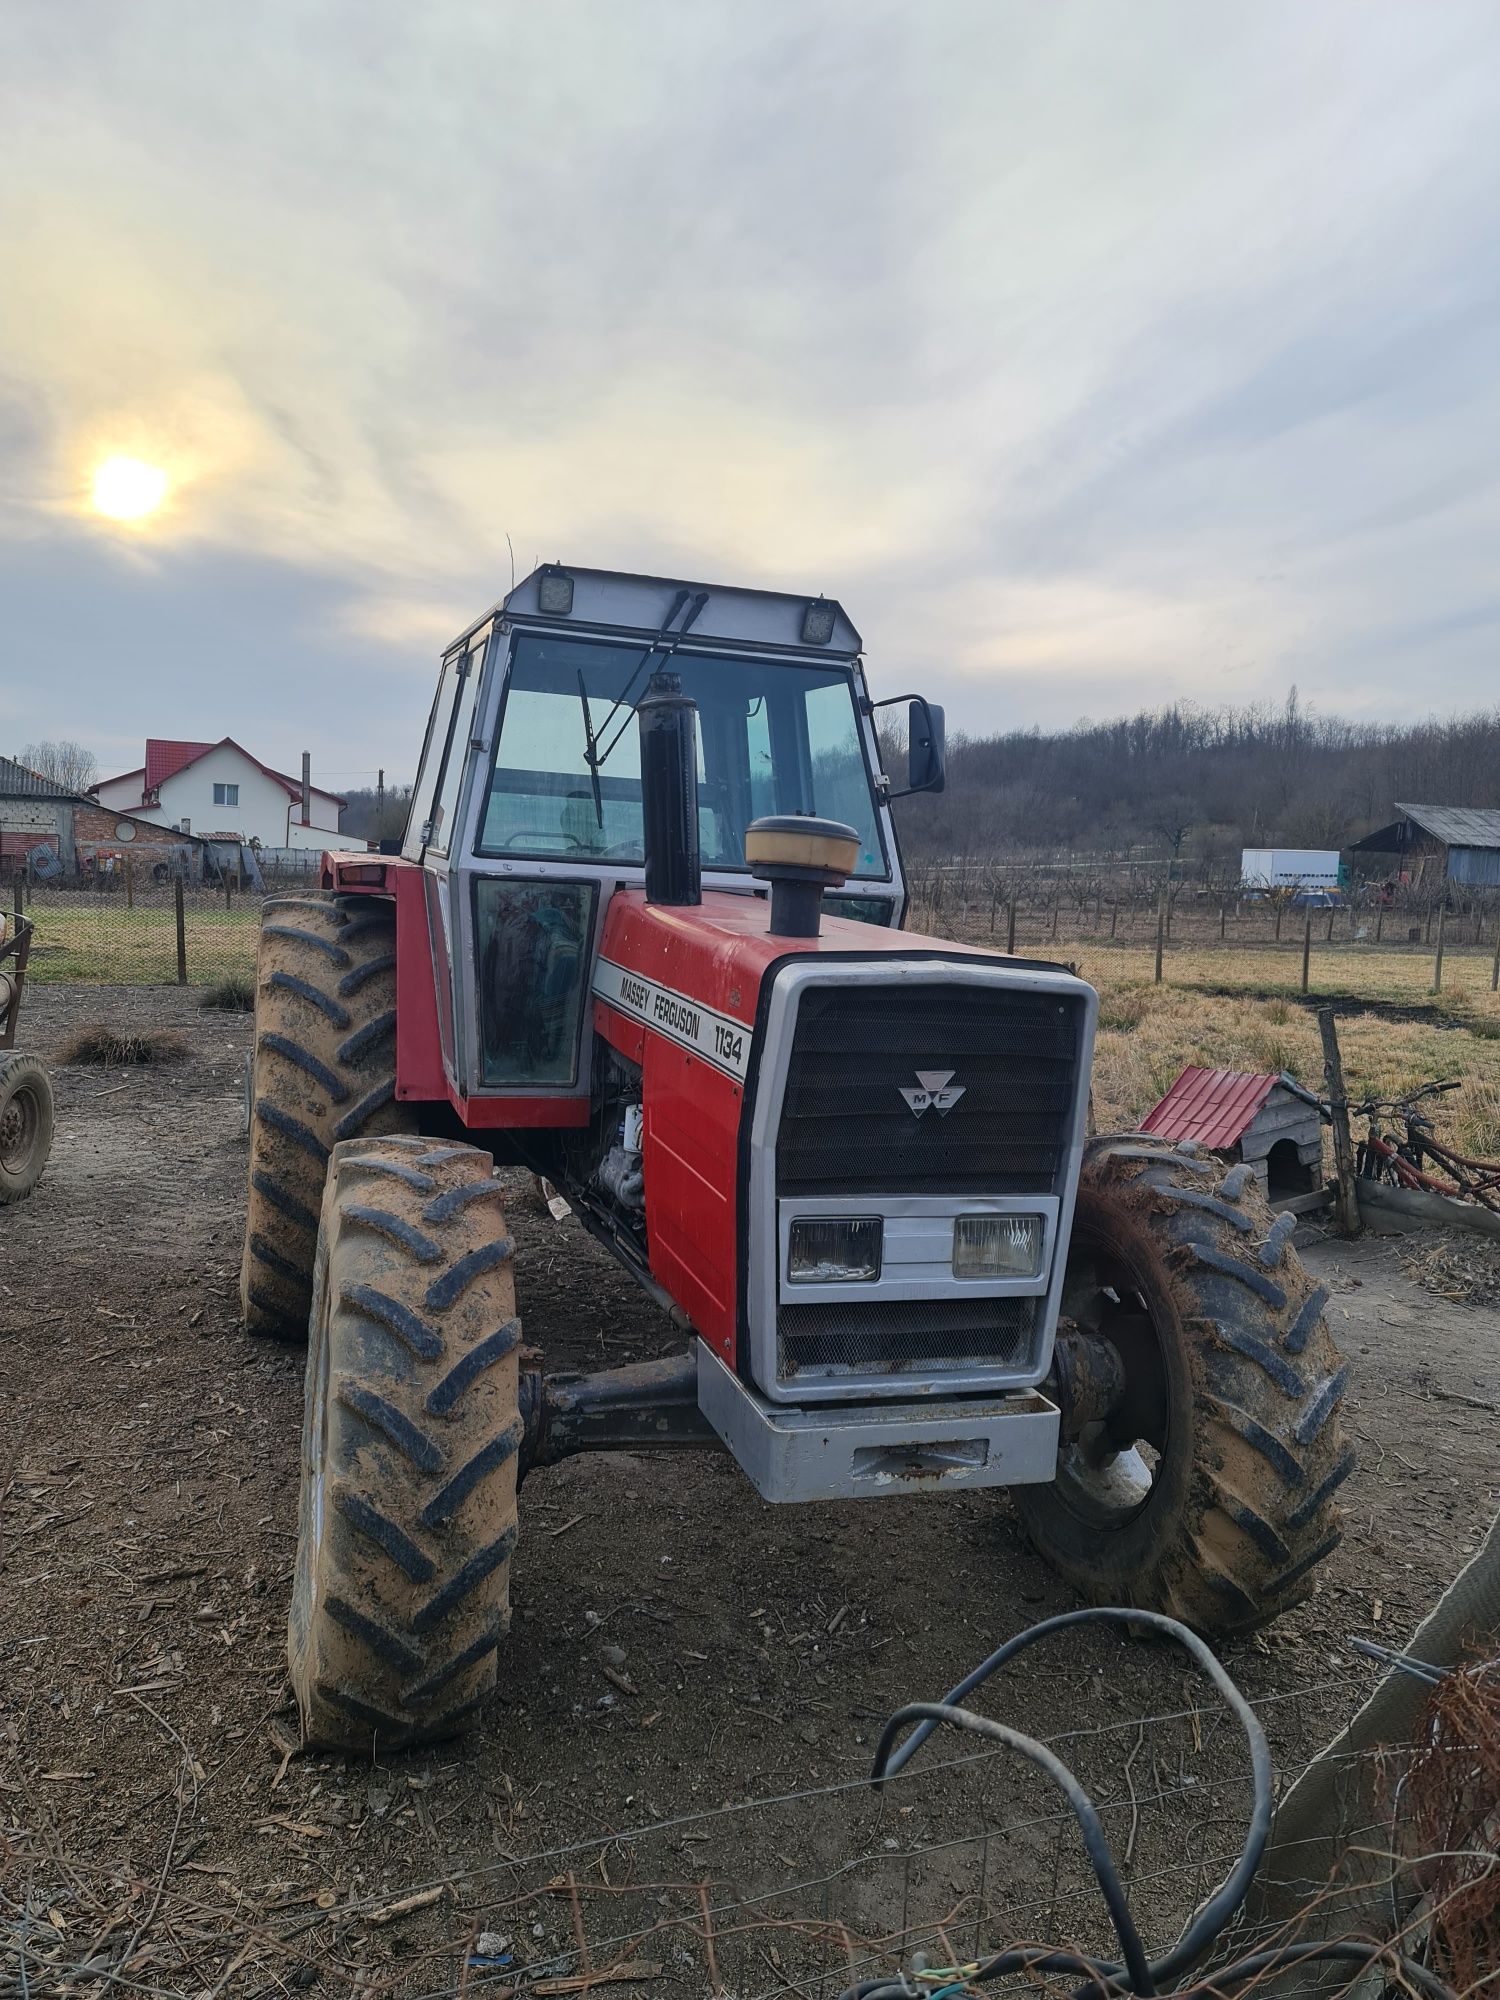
606	600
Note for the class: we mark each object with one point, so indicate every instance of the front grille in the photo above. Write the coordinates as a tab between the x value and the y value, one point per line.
937	1335
846	1129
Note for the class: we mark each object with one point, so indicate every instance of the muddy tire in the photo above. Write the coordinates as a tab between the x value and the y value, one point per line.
25	1125
1210	1493
323	1070
411	1429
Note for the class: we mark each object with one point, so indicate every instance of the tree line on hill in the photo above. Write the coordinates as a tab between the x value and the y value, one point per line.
1187	781
1179	782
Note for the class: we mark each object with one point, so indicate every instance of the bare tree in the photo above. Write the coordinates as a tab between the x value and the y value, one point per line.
62	762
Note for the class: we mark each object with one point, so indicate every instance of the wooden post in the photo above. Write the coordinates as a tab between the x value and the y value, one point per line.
129	882
1010	927
1114	915
994	909
1379	923
1306	949
1346	1206
1331	915
181	933
1056	913
1223	919
1098	907
1437	957
20	894
1495	966
1161	931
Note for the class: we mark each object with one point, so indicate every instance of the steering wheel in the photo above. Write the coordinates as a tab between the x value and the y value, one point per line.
539	833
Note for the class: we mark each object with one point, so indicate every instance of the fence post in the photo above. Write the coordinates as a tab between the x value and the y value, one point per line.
1056	913
20	895
1114	915
1306	949
1495	966
1437	957
1223	919
129	883
1346	1208
1010	927
1379	922
1161	931
181	933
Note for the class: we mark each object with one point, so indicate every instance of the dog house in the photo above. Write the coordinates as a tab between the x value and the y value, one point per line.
1267	1121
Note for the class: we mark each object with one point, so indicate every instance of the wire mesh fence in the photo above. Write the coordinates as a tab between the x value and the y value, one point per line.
143	935
799	1895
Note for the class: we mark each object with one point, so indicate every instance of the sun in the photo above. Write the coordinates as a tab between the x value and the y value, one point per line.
128	489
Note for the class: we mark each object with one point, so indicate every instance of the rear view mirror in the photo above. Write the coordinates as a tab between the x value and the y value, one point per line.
926	770
926	766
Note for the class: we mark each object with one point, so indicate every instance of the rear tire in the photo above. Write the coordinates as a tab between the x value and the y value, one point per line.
323	1070
1222	1516
26	1121
409	1453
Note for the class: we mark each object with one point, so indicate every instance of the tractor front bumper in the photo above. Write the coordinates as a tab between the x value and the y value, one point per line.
873	1451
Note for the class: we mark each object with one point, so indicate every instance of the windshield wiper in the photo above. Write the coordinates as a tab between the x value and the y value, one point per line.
588	751
597	757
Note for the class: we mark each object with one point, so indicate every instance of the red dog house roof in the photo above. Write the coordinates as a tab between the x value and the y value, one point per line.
1214	1106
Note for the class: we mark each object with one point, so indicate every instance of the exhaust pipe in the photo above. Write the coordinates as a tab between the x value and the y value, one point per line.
669	792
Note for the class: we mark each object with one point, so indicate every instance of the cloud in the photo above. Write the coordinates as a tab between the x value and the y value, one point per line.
1091	358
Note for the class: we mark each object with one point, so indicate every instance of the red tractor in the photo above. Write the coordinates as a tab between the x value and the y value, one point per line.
644	938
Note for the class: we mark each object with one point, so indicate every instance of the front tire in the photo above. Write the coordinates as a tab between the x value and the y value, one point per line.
411	1429
1208	1494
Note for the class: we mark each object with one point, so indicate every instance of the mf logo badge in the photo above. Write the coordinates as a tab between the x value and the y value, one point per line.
935	1091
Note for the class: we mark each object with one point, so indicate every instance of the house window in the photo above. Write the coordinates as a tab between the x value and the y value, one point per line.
226	795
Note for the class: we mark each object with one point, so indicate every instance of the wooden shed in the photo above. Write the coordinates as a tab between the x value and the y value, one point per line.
1267	1121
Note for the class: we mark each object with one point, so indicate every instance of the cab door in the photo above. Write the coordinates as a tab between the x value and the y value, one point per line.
432	831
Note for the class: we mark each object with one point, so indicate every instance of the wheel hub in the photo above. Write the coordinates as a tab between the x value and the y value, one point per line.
17	1130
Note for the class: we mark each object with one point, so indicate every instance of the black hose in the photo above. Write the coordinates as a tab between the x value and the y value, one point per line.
1137	1966
1212	1915
1137	1975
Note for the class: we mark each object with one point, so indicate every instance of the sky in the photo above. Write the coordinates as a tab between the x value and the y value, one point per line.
1094	356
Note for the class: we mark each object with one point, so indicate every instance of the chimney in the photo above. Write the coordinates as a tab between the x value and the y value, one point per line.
307	788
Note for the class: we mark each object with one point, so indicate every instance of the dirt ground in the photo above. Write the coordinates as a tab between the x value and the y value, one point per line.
679	1648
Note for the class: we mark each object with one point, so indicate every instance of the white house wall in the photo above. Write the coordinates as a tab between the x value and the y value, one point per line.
265	812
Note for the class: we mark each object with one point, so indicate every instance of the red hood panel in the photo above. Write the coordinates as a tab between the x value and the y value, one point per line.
720	951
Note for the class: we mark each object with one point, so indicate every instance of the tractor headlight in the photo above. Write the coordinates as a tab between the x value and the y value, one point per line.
998	1246
834	1250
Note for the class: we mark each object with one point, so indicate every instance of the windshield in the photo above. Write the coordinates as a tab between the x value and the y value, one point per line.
772	738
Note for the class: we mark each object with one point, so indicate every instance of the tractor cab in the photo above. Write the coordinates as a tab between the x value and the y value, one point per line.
528	811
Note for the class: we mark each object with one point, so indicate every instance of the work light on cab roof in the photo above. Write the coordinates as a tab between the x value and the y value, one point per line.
644	937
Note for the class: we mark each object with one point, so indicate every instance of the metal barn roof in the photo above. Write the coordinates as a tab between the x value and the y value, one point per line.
1456	826
1214	1106
17	782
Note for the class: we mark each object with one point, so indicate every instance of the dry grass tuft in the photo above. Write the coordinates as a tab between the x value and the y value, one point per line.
1452	1265
104	1046
233	993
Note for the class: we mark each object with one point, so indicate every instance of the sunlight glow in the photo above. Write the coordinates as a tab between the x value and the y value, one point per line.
128	489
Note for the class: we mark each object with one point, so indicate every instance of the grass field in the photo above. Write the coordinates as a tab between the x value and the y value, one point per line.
1231	1006
1237	1008
97	939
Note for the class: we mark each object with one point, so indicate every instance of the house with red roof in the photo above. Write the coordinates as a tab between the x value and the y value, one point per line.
218	790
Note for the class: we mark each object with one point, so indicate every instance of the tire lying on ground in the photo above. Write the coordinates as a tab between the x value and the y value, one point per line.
409	1454
323	1070
25	1124
1210	1494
